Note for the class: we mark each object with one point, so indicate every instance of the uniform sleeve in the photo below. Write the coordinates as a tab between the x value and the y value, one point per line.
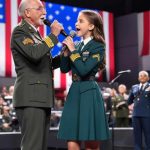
131	98
65	64
24	44
56	62
94	58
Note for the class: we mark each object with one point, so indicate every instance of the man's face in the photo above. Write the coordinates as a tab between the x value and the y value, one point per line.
35	12
143	78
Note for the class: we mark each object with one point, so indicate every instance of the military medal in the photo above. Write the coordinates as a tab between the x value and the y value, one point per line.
85	55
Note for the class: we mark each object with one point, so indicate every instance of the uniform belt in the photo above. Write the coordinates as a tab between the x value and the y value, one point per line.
76	78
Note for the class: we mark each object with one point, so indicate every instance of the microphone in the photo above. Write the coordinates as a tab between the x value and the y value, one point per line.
72	34
120	72
48	23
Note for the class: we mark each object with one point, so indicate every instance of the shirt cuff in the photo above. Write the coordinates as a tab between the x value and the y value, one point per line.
51	40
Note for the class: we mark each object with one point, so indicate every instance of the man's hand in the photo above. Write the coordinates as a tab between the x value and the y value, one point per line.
56	28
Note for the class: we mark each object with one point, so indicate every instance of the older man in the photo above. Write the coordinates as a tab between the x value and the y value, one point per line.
33	93
140	96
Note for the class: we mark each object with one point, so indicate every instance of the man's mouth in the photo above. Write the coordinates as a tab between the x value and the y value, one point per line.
42	18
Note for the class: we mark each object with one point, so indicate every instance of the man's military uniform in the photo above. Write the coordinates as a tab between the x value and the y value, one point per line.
141	114
84	116
33	93
120	107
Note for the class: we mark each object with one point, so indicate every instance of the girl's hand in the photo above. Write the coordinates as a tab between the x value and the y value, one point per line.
70	44
66	52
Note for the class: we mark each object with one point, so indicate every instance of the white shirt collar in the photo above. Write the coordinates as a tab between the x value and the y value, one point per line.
85	41
143	85
33	26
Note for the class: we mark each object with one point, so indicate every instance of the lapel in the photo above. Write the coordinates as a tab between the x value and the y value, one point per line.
87	47
31	31
147	85
138	87
37	36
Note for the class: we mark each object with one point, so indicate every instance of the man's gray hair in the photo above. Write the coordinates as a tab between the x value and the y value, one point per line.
22	7
144	72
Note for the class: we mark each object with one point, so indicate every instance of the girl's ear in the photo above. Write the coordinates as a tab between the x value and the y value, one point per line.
91	27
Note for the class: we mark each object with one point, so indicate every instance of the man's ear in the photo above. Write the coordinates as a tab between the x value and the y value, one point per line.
91	27
27	13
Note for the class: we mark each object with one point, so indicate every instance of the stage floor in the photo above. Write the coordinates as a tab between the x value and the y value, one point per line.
122	139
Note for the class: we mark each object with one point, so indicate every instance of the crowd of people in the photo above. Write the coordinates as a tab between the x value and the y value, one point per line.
28	105
8	118
121	104
115	104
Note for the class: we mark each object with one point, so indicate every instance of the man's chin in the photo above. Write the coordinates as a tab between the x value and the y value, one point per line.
40	23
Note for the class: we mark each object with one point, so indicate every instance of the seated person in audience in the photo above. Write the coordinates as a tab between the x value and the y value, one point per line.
6	120
121	107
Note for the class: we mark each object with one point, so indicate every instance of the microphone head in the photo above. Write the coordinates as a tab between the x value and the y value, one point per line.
125	71
72	33
46	22
128	70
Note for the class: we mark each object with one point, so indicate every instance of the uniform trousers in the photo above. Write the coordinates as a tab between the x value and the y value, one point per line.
141	126
35	123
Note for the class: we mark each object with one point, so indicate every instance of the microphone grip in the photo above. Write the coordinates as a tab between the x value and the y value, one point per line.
65	51
64	48
48	23
72	35
63	33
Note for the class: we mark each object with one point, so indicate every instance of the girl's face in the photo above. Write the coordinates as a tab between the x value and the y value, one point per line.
83	26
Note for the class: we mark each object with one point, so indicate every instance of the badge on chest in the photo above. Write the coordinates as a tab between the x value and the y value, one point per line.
85	55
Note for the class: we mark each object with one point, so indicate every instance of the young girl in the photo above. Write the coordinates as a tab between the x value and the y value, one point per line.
83	117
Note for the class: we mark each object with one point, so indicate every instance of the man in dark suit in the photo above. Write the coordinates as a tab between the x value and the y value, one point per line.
140	96
33	93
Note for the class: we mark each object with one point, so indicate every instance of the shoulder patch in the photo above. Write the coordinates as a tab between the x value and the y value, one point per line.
73	57
27	41
96	56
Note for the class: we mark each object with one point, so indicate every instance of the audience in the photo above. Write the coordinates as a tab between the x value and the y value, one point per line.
121	107
115	105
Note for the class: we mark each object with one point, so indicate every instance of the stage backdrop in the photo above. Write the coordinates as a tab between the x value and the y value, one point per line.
67	16
144	40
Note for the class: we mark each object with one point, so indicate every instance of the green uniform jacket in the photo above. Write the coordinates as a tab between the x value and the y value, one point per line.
83	115
86	62
33	64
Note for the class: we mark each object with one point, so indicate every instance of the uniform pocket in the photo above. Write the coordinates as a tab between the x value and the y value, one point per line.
38	90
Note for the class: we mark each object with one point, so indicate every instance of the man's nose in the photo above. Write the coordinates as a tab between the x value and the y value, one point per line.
44	12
